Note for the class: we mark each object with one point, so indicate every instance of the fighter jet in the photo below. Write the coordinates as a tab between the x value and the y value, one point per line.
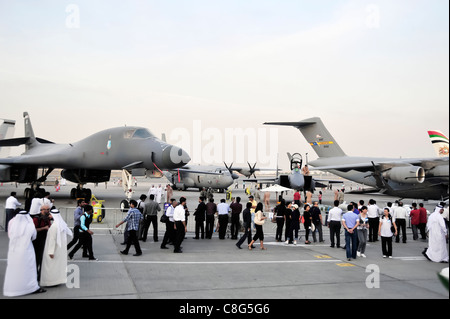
296	179
421	178
130	148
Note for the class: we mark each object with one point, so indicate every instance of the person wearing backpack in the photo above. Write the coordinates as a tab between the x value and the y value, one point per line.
387	230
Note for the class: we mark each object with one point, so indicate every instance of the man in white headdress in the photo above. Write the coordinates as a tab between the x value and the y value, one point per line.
159	194
54	263
20	275
437	245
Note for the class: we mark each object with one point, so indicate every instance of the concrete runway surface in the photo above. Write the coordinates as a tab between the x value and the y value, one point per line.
216	269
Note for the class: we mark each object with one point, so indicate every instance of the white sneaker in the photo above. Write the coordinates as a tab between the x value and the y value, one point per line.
390	257
287	242
364	256
384	256
358	254
295	242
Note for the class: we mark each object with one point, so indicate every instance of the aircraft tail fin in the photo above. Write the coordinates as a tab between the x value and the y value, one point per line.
440	143
6	132
29	132
317	135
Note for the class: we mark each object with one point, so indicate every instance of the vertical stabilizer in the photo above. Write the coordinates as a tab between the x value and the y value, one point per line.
440	143
317	135
6	132
29	131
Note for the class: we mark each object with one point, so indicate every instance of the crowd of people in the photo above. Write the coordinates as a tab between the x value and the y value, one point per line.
39	247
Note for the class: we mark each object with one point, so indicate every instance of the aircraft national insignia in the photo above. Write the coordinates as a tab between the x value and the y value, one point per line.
443	151
321	143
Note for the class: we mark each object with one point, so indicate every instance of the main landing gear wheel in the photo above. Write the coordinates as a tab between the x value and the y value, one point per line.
85	193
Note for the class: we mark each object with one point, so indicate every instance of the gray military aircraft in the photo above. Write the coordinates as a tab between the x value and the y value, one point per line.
91	160
296	179
201	176
421	178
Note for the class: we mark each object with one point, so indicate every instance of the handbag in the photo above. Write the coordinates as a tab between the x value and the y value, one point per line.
258	220
164	219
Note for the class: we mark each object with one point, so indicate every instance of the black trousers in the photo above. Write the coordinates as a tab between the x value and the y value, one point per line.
401	228
179	236
335	232
76	237
307	226
280	225
169	235
223	223
9	215
288	227
422	228
374	224
386	244
259	233
146	225
86	242
247	234
200	227
133	240
209	226
235	225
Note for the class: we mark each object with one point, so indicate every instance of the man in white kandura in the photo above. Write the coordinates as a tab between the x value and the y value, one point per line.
20	275
54	263
437	245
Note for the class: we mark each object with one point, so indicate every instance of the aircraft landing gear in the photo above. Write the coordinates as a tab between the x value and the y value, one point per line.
81	192
127	184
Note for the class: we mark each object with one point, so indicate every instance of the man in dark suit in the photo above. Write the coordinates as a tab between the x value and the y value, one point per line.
247	219
200	216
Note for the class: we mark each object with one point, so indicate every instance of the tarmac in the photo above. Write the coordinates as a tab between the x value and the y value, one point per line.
217	269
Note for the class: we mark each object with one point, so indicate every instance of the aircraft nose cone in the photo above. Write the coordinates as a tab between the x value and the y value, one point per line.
297	181
174	157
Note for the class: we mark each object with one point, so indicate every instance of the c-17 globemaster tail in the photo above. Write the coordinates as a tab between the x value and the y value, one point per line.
317	136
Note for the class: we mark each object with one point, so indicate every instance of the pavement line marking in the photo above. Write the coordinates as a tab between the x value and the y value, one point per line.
345	265
323	257
411	258
204	262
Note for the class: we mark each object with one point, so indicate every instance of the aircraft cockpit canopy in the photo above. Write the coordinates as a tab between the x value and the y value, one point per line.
138	133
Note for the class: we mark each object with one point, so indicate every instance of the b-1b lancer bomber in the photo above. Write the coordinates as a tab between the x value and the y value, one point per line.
132	149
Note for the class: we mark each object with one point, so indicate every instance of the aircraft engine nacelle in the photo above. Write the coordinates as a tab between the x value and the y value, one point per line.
16	174
406	174
441	171
5	173
83	176
180	186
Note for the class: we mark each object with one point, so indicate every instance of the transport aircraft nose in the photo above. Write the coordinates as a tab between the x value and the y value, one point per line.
175	157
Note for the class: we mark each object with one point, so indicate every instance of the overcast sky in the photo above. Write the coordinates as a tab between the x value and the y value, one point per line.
376	72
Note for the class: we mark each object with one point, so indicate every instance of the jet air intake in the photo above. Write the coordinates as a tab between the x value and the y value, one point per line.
406	174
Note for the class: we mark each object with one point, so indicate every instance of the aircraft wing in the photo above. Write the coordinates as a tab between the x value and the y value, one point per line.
426	163
262	180
190	170
21	141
